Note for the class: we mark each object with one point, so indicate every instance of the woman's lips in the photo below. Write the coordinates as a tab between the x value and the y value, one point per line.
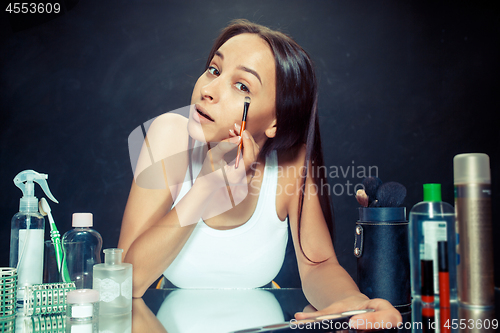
201	115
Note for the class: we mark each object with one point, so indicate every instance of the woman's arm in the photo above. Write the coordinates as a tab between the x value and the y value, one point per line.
323	283
154	249
153	234
326	285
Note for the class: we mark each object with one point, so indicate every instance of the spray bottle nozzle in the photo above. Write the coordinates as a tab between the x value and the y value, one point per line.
24	180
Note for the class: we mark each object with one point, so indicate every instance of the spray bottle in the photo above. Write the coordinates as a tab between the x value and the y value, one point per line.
475	269
27	231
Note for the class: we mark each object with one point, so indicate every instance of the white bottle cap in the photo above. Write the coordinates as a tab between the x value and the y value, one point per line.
471	168
82	220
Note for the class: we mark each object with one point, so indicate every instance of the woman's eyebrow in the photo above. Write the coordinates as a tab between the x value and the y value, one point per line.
251	71
246	69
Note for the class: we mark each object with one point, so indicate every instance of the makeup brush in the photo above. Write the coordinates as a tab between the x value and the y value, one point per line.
391	194
371	185
246	104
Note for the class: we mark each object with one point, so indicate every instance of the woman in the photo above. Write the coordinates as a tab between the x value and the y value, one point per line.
217	224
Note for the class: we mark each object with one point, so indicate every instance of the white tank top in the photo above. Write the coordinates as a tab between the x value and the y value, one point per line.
248	256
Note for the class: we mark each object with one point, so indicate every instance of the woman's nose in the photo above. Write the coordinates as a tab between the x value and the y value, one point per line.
210	91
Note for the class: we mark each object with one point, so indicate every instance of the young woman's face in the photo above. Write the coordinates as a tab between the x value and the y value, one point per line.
243	66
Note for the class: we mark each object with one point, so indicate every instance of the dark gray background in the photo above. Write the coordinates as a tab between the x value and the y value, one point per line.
404	86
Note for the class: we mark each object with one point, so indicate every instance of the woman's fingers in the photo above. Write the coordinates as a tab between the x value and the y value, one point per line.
215	156
385	315
223	147
250	149
338	307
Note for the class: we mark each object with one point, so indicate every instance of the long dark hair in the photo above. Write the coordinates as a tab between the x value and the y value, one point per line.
296	108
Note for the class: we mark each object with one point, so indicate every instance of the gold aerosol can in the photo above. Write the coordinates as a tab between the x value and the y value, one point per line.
475	268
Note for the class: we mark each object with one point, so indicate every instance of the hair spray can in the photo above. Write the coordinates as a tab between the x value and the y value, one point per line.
474	230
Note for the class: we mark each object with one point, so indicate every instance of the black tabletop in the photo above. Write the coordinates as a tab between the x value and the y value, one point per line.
257	310
244	311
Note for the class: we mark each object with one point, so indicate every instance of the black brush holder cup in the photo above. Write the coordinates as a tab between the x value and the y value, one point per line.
381	249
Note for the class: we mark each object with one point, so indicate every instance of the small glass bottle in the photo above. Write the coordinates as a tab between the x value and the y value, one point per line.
431	221
82	250
113	280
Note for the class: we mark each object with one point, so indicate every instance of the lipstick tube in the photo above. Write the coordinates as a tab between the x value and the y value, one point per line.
444	275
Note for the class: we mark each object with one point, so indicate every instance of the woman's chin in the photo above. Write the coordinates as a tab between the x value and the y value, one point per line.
195	130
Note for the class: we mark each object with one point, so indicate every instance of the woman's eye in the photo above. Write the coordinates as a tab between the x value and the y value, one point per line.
214	71
242	87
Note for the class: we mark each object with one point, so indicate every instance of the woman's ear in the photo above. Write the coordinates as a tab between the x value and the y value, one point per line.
271	130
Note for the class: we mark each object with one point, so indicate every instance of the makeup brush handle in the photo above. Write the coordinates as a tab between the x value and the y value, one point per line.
240	146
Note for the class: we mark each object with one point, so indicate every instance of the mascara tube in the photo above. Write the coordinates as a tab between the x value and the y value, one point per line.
472	182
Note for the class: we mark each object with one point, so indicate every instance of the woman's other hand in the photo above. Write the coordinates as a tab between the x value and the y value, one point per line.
384	316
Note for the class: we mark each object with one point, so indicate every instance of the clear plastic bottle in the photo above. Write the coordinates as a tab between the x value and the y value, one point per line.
82	250
432	221
113	280
27	232
27	248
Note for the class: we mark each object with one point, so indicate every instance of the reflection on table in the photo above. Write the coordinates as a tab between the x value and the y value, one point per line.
217	310
228	310
190	311
456	318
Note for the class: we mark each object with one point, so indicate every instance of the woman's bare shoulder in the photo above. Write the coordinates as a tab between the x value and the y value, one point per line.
163	159
168	135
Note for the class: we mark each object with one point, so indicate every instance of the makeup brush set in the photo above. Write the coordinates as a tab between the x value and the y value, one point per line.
378	194
381	244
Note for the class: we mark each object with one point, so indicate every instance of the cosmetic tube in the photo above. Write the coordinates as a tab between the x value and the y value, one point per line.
426	267
444	275
475	244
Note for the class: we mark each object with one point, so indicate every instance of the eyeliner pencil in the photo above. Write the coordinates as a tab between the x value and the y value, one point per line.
243	125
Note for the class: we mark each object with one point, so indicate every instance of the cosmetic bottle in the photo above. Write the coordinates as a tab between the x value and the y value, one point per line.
82	250
82	311
113	280
82	304
27	232
474	227
431	221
